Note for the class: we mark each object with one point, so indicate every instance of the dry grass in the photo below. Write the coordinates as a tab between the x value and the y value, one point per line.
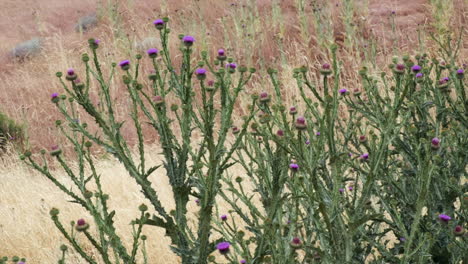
26	197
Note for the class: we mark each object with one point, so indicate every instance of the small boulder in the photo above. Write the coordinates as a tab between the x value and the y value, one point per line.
27	48
86	23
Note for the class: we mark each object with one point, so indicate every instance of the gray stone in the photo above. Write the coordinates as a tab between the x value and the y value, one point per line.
86	23
27	48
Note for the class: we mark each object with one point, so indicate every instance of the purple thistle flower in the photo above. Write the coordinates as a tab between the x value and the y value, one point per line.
402	239
365	156
458	230
435	143
200	71
97	41
419	75
326	66
223	247
71	72
341	190
292	110
460	73
125	64
152	52
197	201
243	261
296	242
343	91
416	68
400	67
188	40
223	217
54	95
317	133
445	218
231	65
307	142
280	133
221	52
294	166
158	22
350	188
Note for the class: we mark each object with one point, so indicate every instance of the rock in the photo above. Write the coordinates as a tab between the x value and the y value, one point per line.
86	23
147	43
27	48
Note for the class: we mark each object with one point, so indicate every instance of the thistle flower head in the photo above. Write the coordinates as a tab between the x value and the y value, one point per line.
435	143
416	68
235	130
159	24
301	123
264	97
292	110
326	69
362	138
317	133
341	190
223	217
70	71
81	225
54	95
458	230
296	242
419	75
460	73
188	40
400	67
280	133
243	261
444	218
364	156
223	247
153	52
124	65
221	52
343	91
294	166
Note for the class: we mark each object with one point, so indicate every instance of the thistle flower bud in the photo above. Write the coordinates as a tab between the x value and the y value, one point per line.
93	43
326	69
81	225
159	24
435	143
143	207
188	41
235	130
296	243
280	133
55	151
223	247
54	212
152	53
357	92
362	139
264	97
125	65
292	110
63	247
55	98
458	230
399	69
460	73
158	100
71	76
221	55
301	123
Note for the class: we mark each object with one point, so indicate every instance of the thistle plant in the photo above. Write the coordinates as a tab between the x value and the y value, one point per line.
329	180
192	171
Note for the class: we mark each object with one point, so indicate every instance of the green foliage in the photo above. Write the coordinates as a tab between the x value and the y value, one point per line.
331	179
10	131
